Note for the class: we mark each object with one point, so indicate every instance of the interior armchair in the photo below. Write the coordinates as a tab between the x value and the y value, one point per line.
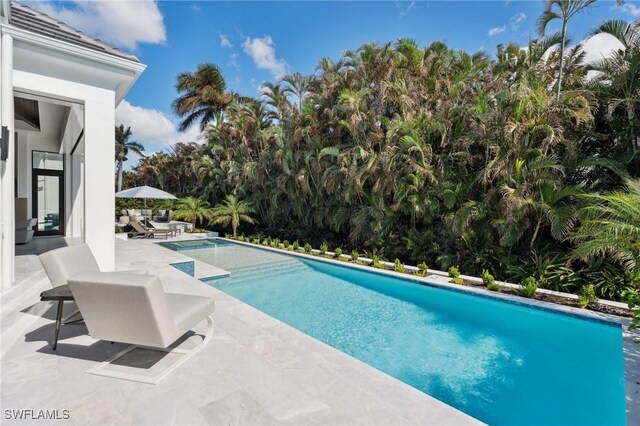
24	230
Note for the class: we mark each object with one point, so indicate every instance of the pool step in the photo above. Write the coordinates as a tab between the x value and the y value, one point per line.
270	269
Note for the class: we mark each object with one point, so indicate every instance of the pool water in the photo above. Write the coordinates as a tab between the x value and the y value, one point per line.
195	244
503	363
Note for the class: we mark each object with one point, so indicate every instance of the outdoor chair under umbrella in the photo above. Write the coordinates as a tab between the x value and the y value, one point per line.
145	192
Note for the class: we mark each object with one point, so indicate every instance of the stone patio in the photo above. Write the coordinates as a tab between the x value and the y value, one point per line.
256	369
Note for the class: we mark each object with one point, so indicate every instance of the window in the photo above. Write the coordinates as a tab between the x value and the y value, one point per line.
48	160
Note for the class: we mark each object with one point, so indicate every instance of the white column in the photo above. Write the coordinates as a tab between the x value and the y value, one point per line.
8	168
1	171
99	152
76	205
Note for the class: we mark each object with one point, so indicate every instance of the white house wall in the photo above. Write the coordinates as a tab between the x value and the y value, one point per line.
75	193
23	168
74	172
99	122
85	67
7	168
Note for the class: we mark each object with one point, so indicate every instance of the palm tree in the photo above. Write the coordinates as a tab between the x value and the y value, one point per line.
192	209
563	10
203	96
123	146
610	228
299	86
617	79
232	211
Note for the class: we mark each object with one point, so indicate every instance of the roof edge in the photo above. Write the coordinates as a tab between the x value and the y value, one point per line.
27	18
70	48
134	69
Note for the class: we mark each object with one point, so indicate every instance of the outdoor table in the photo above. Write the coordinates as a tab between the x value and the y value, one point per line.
59	294
177	228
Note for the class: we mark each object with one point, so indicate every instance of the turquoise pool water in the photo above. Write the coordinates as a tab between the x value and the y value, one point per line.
195	244
503	363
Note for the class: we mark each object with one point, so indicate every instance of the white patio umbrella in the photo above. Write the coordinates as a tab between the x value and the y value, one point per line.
145	192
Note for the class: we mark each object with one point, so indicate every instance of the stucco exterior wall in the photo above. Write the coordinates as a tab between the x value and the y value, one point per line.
99	179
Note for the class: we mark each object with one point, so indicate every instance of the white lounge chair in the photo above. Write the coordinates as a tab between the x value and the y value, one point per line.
134	309
64	262
61	263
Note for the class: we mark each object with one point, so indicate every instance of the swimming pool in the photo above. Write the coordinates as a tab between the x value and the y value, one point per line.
503	363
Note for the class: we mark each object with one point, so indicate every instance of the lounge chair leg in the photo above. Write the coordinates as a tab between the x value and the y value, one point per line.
58	322
154	380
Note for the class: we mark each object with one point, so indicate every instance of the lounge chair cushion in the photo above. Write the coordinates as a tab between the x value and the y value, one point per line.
64	262
122	307
131	308
188	310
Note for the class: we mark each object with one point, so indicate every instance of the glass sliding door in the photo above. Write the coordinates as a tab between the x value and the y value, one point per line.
48	193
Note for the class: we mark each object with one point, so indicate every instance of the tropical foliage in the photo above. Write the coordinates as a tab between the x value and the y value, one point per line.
192	209
123	146
435	155
203	96
232	212
610	228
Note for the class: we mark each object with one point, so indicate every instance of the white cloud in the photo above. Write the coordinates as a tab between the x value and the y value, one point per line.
233	61
122	23
600	46
263	52
628	8
496	30
224	41
405	6
195	8
153	128
193	134
515	20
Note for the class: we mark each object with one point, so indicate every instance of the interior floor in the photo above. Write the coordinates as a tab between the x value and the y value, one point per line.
39	245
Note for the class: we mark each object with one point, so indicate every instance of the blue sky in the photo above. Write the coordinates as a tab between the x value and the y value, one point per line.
304	32
253	42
